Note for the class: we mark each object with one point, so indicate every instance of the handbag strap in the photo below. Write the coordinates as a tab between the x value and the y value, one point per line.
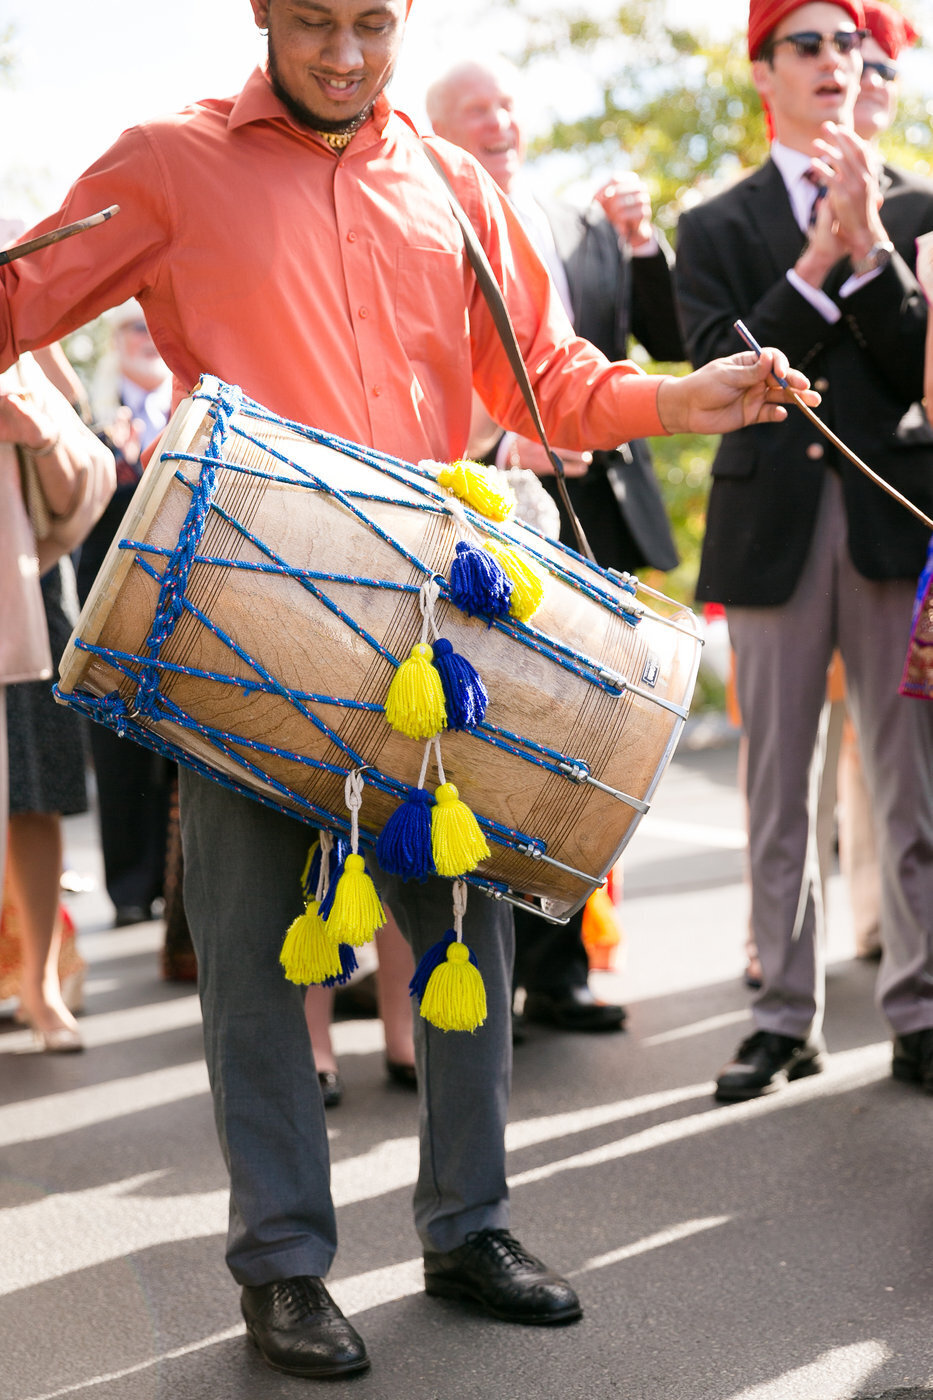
503	323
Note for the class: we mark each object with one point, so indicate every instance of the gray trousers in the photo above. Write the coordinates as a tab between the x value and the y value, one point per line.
243	865
782	655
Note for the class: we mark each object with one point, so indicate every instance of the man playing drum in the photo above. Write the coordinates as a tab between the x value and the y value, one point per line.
296	241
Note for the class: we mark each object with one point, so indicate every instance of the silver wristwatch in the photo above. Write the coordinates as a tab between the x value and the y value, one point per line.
877	256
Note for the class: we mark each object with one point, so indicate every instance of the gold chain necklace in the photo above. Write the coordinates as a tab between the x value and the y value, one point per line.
337	140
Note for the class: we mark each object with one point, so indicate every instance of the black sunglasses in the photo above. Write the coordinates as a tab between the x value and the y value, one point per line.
809	44
886	71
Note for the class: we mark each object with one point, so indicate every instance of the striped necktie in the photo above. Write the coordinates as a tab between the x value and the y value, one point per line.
814	178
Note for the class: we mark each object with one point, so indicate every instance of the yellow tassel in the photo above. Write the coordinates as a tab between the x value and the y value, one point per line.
483	488
455	998
527	581
457	843
356	912
310	953
415	702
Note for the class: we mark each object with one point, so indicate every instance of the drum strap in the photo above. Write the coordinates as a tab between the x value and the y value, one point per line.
503	323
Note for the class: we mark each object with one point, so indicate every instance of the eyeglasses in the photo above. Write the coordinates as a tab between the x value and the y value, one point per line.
886	71
809	44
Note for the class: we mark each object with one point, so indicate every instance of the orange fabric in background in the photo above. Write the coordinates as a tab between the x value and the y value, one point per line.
70	962
602	927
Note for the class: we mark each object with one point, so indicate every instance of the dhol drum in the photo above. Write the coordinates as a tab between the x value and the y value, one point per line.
269	579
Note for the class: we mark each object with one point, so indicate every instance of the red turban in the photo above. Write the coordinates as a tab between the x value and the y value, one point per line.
890	30
765	15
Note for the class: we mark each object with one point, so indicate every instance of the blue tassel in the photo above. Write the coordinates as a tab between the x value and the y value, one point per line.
309	876
479	586
465	696
339	852
433	958
348	965
404	844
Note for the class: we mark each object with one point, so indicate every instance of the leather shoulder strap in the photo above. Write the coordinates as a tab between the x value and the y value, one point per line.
503	323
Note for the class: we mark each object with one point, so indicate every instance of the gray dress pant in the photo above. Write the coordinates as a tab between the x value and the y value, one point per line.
782	655
243	864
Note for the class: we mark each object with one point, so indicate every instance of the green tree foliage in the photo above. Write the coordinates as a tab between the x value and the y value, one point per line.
681	109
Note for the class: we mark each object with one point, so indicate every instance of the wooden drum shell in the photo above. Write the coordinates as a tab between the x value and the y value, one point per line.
625	740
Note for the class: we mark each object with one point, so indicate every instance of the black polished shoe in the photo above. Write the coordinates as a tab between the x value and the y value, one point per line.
299	1329
127	914
913	1058
493	1269
576	1009
331	1087
406	1076
763	1063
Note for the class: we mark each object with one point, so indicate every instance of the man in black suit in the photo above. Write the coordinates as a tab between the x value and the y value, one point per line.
613	272
814	251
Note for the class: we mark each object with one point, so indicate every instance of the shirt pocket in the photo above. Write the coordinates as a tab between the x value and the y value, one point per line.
431	304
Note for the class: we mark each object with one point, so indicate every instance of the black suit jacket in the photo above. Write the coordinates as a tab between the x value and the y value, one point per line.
732	255
614	297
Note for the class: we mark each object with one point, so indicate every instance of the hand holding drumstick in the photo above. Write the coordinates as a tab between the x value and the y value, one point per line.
802	403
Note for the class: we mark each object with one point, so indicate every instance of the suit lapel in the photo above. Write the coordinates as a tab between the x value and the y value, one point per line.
770	210
581	240
567	226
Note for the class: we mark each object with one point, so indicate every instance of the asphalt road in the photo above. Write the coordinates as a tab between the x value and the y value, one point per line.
779	1250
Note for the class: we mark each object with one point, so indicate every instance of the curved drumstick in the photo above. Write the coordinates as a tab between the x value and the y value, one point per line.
56	236
752	343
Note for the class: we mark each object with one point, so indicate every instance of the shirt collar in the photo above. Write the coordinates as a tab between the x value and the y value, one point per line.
256	102
792	164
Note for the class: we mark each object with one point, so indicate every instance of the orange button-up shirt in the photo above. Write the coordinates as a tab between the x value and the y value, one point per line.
333	288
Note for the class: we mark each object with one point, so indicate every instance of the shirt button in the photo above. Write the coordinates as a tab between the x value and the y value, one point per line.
821	385
363	313
815	451
351	237
377	390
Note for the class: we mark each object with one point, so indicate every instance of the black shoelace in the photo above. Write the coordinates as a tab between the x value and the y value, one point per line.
501	1247
300	1297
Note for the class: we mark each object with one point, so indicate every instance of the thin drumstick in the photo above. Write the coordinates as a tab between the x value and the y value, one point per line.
752	343
56	236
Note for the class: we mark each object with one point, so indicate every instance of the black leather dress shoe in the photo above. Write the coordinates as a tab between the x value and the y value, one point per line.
763	1063
575	1009
299	1329
406	1076
127	914
913	1058
493	1269
331	1087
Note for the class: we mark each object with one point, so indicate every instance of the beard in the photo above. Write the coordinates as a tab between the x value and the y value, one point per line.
304	114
